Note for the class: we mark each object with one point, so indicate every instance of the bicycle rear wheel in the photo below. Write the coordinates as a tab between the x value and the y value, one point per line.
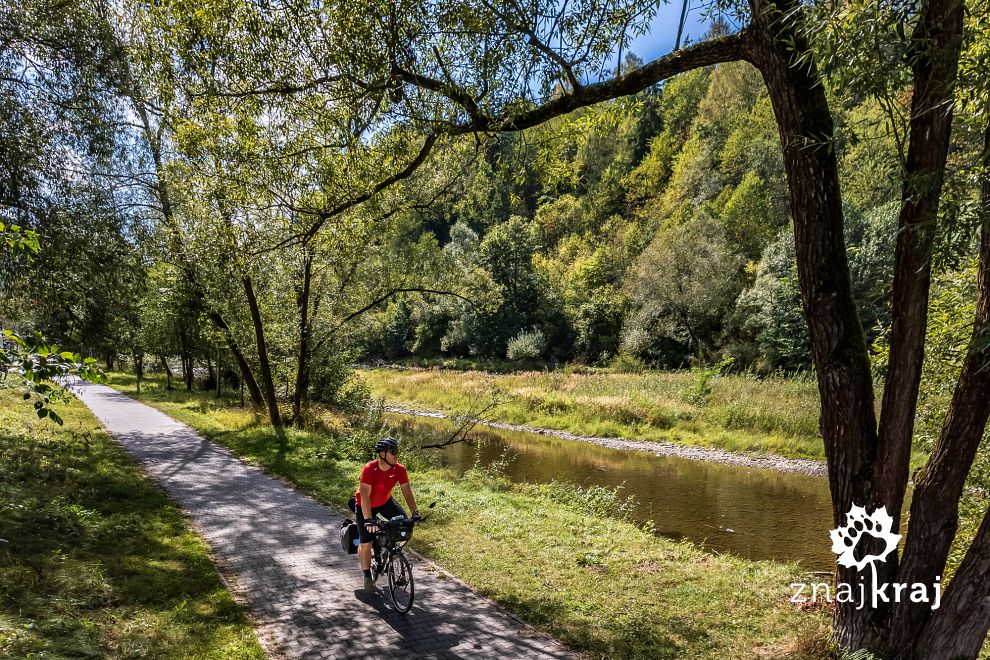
400	582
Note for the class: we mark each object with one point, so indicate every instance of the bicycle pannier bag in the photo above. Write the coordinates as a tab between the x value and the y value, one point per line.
349	537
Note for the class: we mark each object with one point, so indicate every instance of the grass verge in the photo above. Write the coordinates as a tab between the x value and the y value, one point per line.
601	584
97	562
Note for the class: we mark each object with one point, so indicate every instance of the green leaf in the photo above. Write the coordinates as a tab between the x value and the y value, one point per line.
67	355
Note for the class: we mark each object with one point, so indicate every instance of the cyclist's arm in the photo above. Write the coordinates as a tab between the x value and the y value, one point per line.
410	498
365	502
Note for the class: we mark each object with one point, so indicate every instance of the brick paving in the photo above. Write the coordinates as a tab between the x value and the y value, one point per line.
279	552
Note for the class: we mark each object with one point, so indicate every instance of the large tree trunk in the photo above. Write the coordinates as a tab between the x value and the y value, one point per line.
935	46
959	628
845	383
302	368
938	488
265	365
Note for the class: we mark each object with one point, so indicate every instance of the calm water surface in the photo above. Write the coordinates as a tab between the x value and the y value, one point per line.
757	514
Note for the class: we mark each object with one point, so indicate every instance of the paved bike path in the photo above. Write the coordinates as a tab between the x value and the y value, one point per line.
279	551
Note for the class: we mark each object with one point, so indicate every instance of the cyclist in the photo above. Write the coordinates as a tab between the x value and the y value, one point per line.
374	496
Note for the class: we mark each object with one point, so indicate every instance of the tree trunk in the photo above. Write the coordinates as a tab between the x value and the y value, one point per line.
845	383
939	486
187	366
219	369
168	372
266	371
138	369
210	373
161	191
183	352
247	376
300	396
935	47
959	628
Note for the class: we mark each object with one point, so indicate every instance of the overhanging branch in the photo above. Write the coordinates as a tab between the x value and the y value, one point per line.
714	51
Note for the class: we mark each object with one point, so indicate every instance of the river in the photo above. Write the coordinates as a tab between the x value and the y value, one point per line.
751	513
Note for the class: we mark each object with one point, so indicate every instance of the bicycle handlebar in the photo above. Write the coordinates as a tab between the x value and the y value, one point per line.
383	524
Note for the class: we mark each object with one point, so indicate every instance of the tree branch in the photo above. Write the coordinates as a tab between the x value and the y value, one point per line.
468	420
393	292
538	44
280	89
323	216
723	49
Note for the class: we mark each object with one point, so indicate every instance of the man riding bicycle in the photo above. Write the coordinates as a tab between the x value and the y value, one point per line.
374	496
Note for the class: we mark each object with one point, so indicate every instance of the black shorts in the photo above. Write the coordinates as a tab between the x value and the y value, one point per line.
388	511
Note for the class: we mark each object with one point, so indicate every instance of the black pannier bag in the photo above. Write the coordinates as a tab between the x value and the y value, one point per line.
349	537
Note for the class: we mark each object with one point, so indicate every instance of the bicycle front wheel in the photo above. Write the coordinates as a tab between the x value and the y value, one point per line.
400	582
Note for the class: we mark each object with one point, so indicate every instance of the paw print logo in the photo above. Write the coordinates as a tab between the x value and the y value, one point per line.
845	539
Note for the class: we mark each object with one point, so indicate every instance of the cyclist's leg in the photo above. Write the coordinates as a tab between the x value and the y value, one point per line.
364	548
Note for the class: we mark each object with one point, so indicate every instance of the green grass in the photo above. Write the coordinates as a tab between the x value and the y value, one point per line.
738	413
601	584
98	563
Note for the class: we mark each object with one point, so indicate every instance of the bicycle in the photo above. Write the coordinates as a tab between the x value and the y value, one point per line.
389	559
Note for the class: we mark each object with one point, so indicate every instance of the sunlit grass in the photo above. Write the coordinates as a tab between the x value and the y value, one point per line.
737	413
599	583
98	563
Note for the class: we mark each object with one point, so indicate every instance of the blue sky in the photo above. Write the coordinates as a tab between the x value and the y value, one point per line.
660	40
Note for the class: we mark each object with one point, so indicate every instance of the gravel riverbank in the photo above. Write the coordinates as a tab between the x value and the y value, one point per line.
751	460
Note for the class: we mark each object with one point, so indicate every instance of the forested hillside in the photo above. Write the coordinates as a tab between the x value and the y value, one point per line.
654	227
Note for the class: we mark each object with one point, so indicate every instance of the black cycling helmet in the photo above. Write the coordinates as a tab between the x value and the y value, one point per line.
387	444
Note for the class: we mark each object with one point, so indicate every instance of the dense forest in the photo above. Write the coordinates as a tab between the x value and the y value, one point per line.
655	228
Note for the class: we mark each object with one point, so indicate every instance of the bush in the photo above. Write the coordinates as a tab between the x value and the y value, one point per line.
600	501
527	346
336	384
623	363
699	389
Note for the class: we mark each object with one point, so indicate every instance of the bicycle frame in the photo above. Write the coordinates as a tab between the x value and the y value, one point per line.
380	554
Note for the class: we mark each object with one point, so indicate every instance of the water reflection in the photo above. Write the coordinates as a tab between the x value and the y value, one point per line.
757	514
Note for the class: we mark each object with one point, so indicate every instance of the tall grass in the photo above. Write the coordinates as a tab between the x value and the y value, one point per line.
739	413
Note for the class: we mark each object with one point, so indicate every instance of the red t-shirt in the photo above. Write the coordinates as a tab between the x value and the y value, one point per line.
381	482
